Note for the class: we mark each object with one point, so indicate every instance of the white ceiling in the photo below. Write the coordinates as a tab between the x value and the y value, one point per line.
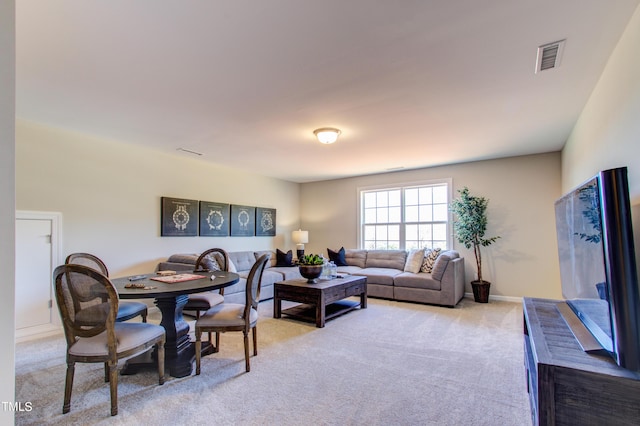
411	83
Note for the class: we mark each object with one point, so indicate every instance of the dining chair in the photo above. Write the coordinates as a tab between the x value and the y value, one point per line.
88	305
214	259
126	310
234	316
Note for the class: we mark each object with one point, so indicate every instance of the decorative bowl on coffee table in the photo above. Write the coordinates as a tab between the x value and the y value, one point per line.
310	272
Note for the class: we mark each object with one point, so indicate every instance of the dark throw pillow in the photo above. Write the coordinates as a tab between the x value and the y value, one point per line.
338	257
284	259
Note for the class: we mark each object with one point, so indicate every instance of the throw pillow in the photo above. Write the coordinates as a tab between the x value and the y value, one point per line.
430	256
338	257
440	265
210	263
284	259
414	261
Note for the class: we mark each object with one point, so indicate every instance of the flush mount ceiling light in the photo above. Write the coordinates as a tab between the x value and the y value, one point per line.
327	135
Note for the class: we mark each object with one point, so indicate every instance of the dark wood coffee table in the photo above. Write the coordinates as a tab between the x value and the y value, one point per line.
320	301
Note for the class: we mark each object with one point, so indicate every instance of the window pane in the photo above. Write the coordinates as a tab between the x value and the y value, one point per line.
411	197
394	232
411	232
425	213
411	214
394	215
369	232
426	195
440	194
381	199
382	215
369	199
394	198
381	232
440	212
440	231
369	216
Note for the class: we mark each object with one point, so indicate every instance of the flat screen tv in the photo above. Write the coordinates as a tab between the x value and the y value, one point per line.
598	265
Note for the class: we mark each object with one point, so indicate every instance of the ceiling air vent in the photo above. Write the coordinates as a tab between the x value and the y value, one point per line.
549	56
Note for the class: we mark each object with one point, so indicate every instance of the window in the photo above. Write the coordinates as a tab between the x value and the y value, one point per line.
405	217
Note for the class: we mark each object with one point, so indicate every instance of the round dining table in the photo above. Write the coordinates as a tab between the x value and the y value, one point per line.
170	298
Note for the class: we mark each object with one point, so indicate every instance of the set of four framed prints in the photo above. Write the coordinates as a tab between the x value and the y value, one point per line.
190	218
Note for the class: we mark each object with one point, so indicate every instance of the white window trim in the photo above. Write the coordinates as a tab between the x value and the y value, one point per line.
402	185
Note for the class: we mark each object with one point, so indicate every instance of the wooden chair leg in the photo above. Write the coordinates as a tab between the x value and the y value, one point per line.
198	334
217	348
255	341
106	372
113	386
144	316
68	385
246	351
160	356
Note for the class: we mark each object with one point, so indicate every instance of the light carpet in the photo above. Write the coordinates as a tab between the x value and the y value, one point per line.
392	363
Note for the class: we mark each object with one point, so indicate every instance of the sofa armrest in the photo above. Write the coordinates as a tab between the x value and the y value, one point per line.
452	283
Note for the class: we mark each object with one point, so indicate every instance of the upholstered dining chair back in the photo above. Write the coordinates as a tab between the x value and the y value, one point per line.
213	259
254	284
227	317
89	260
88	305
126	310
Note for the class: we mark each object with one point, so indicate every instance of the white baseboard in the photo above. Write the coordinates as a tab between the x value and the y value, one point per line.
513	299
38	332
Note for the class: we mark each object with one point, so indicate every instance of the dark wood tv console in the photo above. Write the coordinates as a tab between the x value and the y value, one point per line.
568	386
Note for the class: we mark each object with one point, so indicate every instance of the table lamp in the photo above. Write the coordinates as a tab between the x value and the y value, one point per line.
300	237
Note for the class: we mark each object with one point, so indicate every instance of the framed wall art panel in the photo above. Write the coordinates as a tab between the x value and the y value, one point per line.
179	217
214	219
243	221
265	222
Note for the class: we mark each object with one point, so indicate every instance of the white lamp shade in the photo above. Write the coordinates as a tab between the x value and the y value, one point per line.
300	236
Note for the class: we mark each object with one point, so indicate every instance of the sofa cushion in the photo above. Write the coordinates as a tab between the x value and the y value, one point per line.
284	259
183	258
356	257
393	259
338	257
420	280
287	272
382	276
414	261
441	264
349	269
243	260
430	256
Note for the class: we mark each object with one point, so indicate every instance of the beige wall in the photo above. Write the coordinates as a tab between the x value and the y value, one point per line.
7	207
607	133
521	192
109	195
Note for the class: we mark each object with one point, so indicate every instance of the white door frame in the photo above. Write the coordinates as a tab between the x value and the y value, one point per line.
56	259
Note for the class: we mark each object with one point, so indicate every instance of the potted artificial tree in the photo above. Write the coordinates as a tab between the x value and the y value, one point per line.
469	228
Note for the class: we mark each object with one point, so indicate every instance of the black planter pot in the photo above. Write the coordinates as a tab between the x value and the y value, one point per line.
481	291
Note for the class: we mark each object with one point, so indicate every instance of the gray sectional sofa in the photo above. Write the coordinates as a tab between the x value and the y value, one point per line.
384	269
386	276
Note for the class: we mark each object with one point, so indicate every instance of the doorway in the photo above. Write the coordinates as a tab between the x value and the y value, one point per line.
38	247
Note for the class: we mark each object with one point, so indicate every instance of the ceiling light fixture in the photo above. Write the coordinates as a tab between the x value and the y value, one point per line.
327	135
